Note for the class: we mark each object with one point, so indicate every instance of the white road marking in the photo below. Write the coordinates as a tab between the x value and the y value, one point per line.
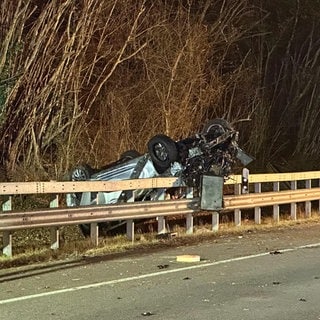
150	275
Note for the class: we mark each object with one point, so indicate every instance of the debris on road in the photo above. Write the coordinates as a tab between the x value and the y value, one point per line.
166	236
163	266
147	314
276	252
188	258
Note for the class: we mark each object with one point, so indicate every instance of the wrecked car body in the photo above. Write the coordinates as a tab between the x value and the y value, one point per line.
214	151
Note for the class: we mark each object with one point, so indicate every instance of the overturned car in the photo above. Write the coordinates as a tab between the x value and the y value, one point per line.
213	151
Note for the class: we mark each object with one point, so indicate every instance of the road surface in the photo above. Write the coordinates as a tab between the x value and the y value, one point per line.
258	275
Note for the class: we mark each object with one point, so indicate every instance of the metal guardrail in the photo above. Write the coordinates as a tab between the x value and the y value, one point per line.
55	217
253	200
90	214
56	187
42	187
275	177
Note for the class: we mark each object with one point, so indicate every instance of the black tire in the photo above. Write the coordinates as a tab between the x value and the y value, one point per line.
216	127
81	172
163	151
129	155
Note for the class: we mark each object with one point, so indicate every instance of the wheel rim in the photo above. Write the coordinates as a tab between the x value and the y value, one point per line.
160	152
78	175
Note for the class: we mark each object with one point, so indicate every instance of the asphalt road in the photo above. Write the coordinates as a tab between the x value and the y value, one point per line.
268	275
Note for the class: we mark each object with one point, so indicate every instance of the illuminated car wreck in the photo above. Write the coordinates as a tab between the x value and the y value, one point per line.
214	151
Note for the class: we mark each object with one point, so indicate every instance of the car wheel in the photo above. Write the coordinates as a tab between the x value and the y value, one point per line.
216	127
163	151
81	173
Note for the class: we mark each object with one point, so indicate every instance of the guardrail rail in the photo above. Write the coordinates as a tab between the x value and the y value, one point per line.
264	190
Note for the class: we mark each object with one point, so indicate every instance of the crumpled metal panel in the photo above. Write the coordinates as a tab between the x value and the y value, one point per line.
211	192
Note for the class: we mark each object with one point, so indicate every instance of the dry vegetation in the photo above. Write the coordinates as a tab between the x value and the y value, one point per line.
87	80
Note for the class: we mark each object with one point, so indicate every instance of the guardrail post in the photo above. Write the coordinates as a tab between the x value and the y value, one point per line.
308	203
7	244
161	219
293	205
257	210
130	230
245	181
94	233
130	223
7	235
161	224
237	212
276	207
54	231
189	217
189	223
215	221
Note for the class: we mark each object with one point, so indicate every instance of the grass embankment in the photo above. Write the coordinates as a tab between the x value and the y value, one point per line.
33	246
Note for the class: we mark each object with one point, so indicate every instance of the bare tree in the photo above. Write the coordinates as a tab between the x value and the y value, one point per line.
94	78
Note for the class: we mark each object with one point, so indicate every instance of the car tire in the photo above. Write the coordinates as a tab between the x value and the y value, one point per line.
81	172
216	127
163	151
